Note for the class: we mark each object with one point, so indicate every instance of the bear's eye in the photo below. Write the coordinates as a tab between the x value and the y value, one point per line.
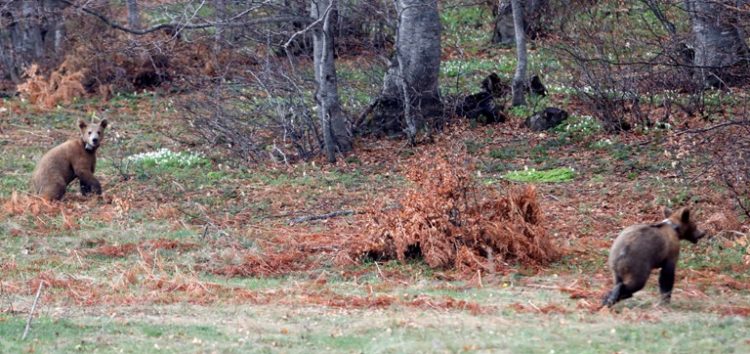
89	133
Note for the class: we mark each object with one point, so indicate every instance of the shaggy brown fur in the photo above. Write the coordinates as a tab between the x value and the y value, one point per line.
640	248
75	158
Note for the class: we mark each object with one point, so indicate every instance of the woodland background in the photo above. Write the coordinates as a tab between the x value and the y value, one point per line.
365	175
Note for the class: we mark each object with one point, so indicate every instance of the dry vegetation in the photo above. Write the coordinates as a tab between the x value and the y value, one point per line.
433	241
451	221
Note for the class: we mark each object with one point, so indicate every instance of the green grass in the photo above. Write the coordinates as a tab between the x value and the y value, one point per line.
562	174
274	328
712	254
104	334
504	153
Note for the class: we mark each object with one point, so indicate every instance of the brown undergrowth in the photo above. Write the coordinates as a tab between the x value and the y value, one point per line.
126	249
452	221
62	86
447	218
62	215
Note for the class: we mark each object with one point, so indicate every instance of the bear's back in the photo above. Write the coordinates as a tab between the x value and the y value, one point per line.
642	244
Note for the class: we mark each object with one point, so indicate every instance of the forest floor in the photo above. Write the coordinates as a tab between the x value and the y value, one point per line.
158	262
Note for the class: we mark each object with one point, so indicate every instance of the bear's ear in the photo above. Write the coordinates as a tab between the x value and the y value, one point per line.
685	218
82	124
103	123
667	212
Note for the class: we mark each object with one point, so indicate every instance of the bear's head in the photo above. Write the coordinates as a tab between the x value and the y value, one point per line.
685	227
92	134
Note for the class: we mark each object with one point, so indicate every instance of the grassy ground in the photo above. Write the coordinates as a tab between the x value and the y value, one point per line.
272	328
158	262
136	270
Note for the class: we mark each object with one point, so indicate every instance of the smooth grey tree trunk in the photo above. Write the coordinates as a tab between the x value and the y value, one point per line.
220	7
504	31
134	15
410	89
519	79
30	32
719	43
418	55
336	136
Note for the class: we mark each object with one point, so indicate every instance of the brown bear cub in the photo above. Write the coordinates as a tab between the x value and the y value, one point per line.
75	158
640	248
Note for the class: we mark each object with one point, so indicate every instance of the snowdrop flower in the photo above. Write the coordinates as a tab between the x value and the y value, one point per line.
164	156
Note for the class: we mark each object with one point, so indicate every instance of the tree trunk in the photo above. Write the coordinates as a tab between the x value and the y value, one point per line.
719	45
336	136
220	7
30	32
411	94
504	31
134	16
519	79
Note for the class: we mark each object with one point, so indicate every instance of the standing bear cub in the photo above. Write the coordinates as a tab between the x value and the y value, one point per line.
640	248
75	158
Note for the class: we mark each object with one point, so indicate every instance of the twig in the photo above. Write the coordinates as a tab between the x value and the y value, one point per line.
382	276
733	232
542	286
205	232
304	30
336	213
31	313
366	112
715	126
174	26
322	216
534	306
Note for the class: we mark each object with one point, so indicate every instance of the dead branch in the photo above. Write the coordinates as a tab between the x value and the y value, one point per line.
177	26
714	127
31	313
309	27
334	214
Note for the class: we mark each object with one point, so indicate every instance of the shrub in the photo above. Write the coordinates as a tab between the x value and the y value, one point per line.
450	220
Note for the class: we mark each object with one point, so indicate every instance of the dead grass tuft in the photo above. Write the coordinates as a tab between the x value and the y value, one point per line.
267	264
131	248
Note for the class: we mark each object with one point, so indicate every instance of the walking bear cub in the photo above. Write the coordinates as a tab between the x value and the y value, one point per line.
75	158
640	248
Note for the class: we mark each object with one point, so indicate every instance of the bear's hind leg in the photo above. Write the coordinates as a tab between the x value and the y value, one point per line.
53	191
613	296
666	282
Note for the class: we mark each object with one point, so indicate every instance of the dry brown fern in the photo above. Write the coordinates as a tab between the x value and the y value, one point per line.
452	221
63	85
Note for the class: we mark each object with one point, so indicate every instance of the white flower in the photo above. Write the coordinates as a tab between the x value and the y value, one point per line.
164	156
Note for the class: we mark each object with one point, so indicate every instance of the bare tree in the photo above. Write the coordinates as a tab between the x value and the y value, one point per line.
30	31
134	15
519	79
220	7
719	41
336	136
504	31
410	89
